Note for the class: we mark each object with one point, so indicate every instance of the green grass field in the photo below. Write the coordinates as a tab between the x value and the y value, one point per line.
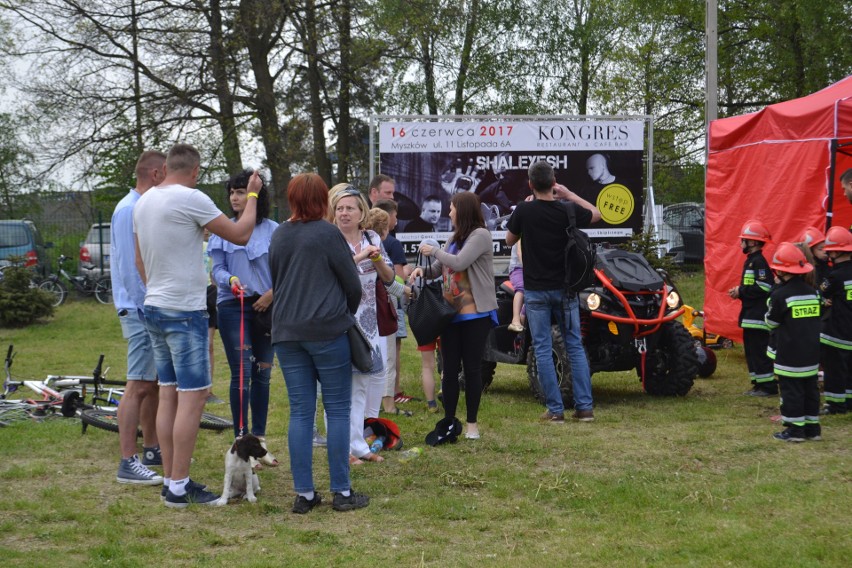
692	481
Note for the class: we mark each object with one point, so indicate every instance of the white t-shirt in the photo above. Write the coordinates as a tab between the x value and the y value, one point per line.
169	225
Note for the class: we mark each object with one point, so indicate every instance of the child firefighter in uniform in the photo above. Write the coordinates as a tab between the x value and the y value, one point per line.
836	335
753	291
794	318
815	240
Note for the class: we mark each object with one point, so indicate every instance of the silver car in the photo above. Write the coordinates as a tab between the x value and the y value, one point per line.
94	252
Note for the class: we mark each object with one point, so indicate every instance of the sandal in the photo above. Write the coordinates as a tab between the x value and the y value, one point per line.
267	460
399	412
371	457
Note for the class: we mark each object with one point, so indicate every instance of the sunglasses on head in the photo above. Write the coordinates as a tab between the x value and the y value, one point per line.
349	190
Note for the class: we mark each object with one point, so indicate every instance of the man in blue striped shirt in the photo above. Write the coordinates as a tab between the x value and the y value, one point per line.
141	396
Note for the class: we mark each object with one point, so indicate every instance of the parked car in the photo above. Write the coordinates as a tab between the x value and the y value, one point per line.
21	239
688	220
94	250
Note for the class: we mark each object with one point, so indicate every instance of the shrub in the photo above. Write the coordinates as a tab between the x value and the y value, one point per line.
648	245
20	302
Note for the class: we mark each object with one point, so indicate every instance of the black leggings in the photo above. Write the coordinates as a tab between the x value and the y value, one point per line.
463	343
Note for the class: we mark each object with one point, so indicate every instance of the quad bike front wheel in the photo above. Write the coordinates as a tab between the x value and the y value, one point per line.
671	367
563	370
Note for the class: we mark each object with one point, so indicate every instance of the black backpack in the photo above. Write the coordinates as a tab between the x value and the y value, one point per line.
579	256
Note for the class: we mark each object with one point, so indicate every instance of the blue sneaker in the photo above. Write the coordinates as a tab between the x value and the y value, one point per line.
193	495
152	456
191	483
789	435
133	472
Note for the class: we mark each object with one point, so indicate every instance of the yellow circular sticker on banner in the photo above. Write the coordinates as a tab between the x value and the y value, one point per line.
615	203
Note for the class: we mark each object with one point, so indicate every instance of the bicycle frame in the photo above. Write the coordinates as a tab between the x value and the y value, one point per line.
83	284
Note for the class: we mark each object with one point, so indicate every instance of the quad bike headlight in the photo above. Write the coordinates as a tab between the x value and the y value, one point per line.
673	300
593	301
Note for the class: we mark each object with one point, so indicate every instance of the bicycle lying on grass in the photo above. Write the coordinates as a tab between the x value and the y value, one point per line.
65	395
85	285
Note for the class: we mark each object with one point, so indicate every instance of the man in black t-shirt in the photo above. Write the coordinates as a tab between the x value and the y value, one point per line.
541	224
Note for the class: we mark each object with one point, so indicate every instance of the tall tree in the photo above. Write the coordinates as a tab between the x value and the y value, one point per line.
16	187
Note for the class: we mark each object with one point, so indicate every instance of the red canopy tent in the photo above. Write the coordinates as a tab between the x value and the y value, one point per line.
780	166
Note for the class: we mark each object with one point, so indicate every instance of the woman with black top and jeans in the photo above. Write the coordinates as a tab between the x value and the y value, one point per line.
466	262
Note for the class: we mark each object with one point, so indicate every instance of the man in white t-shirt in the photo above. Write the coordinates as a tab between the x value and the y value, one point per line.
169	222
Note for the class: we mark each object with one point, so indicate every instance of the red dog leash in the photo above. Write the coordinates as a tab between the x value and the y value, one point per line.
238	291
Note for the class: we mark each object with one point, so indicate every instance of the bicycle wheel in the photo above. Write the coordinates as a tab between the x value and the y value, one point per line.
55	289
104	419
13	411
103	290
213	422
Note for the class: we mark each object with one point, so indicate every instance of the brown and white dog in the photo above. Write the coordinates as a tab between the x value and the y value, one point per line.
240	479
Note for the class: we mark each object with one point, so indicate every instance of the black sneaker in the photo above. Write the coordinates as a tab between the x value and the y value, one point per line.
303	505
789	435
191	483
760	393
354	501
830	408
193	495
813	432
151	456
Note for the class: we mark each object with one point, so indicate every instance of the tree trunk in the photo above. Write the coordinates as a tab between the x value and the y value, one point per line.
428	64
257	21
344	123
311	48
218	62
464	60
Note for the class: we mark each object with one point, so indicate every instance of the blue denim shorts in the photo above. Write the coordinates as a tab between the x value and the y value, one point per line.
180	340
140	354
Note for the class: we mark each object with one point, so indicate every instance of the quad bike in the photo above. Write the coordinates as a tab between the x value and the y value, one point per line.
705	341
628	322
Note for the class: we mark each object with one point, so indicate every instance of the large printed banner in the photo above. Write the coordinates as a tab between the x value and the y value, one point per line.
430	161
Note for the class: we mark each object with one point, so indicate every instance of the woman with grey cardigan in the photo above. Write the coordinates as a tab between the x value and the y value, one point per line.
466	262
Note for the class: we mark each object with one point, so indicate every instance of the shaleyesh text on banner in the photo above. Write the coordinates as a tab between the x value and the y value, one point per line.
601	160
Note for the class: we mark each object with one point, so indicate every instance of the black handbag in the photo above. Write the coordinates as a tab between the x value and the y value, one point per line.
261	321
429	313
360	348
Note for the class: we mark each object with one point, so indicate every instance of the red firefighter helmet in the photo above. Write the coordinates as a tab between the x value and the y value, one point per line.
790	258
755	231
839	239
812	237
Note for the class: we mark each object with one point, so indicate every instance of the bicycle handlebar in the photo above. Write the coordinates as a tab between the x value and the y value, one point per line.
9	356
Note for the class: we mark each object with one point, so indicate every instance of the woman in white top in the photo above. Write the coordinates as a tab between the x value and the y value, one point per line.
348	210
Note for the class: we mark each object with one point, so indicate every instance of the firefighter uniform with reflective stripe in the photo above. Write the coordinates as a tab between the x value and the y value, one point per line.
794	318
836	338
753	290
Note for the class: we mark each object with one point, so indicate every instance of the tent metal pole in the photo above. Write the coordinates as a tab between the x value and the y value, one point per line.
829	207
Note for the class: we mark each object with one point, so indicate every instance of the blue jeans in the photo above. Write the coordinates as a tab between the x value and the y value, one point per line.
304	364
180	344
544	307
258	349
